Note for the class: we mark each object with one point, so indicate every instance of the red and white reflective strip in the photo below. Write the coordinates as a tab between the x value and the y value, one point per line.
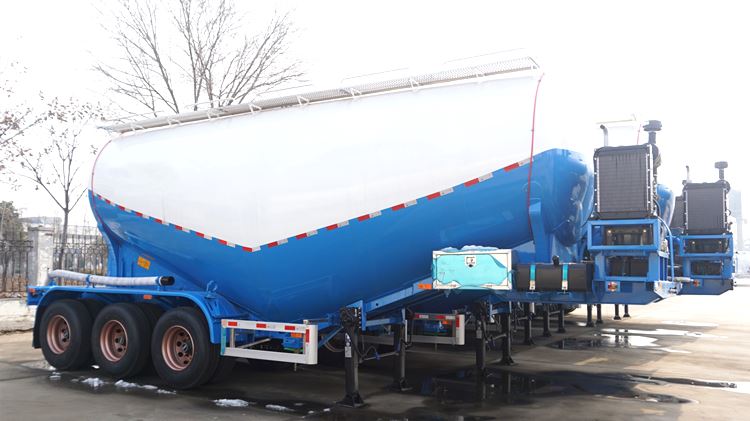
478	180
404	205
225	243
439	194
368	216
517	164
306	234
339	225
277	243
269	326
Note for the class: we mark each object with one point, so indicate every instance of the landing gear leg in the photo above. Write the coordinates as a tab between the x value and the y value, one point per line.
507	339
399	365
350	319
589	316
561	320
599	314
627	314
545	321
480	341
528	315
617	312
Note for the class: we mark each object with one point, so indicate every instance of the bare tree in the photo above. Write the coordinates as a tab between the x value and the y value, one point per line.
15	118
194	51
52	162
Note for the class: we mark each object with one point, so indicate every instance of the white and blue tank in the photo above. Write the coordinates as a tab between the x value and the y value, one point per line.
293	211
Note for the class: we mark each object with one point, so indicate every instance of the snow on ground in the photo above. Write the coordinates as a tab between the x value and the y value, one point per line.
278	408
94	382
231	403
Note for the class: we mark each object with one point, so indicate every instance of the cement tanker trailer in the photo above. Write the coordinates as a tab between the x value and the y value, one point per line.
263	229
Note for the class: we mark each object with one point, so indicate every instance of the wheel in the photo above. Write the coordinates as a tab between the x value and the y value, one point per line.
152	312
66	335
121	339
181	348
223	369
93	306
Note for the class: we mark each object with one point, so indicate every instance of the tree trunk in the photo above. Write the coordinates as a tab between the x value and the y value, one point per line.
63	240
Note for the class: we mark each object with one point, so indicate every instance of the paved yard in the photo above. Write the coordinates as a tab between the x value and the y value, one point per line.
686	357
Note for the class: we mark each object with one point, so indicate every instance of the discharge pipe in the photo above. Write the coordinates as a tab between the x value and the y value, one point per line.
110	280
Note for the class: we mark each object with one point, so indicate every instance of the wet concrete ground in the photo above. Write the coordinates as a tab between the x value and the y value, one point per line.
687	358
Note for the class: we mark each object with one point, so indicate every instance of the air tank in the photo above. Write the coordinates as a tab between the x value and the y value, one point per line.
294	208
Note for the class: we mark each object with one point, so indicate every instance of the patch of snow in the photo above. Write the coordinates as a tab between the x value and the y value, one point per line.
327	410
298	404
55	376
125	385
231	403
166	392
148	387
94	382
279	408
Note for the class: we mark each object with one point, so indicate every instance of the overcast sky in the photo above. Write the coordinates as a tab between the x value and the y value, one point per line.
685	63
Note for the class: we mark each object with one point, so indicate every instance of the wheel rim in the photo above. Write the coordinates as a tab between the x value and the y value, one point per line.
177	348
113	340
58	334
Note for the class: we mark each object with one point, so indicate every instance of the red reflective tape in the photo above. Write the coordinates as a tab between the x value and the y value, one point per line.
440	317
471	182
223	242
458	322
511	167
272	245
249	249
287	327
260	325
363	218
158	220
199	234
300	236
398	207
433	196
233	324
178	227
108	202
332	227
121	207
307	336
138	214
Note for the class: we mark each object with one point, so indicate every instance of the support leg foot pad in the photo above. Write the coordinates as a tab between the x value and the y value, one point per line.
353	400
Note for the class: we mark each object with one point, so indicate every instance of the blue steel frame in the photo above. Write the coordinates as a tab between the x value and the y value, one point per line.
707	284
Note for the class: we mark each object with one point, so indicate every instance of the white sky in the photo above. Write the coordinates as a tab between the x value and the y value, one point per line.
685	63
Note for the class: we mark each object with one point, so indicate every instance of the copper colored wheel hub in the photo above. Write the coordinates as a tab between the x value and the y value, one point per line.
58	334
177	348
113	340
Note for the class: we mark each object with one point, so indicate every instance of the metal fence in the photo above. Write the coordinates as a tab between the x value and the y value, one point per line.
15	252
85	250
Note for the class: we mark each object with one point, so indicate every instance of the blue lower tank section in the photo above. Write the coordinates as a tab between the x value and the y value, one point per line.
315	276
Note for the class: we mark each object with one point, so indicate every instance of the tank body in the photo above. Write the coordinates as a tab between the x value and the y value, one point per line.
294	213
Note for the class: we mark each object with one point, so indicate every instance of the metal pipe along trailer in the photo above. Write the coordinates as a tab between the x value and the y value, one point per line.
290	226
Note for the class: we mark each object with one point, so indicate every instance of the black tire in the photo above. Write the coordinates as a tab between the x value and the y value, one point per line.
223	369
121	358
65	335
152	312
94	306
198	363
